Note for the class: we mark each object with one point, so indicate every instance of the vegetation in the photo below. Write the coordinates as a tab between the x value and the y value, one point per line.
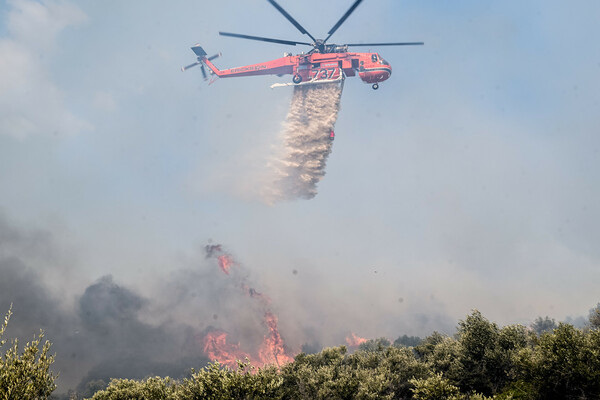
25	375
481	361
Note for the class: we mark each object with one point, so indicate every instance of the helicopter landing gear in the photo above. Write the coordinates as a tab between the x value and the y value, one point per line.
297	79
375	86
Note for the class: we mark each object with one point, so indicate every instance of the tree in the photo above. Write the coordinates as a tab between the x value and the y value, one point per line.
427	345
408	341
488	355
375	345
478	338
566	364
541	325
434	387
594	317
25	375
149	389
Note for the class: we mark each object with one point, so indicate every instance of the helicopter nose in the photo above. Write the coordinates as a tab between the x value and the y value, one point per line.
384	73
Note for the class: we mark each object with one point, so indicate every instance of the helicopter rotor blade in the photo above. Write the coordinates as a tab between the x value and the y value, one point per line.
215	56
387	44
263	39
291	19
203	72
190	66
342	20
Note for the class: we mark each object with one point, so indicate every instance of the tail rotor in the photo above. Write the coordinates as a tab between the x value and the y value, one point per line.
201	61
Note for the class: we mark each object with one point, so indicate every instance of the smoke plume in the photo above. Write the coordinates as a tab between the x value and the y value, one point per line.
209	307
307	142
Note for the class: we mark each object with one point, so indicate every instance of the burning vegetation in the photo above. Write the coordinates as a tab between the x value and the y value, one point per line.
216	342
352	340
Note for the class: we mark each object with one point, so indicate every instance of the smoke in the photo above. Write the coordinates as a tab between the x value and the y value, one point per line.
107	330
97	333
306	142
160	324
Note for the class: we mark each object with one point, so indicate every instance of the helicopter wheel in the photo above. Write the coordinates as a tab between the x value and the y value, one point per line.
375	86
297	79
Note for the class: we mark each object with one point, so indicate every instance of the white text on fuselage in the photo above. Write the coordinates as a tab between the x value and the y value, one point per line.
250	68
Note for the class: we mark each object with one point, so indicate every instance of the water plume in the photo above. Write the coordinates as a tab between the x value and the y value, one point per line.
307	141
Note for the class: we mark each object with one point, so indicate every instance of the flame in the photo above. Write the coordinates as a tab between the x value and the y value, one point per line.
271	351
225	263
217	348
352	340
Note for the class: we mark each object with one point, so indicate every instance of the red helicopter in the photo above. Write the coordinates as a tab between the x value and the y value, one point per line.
324	63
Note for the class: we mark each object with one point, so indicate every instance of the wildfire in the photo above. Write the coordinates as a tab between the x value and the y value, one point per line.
216	348
215	345
352	340
225	263
272	350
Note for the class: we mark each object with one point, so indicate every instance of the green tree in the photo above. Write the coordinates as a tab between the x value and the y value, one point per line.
408	341
488	355
25	375
400	365
129	389
435	387
427	345
541	325
325	375
445	358
565	364
478	339
594	317
375	345
218	382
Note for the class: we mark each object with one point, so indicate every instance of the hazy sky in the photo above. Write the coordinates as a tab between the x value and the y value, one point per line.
468	180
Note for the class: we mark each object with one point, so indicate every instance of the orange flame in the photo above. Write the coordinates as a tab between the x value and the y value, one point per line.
225	263
352	340
216	348
272	350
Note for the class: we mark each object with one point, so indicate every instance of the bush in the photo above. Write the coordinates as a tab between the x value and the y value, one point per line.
565	364
150	389
434	388
26	375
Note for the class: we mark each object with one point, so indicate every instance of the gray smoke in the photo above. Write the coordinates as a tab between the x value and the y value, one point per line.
108	329
307	143
98	332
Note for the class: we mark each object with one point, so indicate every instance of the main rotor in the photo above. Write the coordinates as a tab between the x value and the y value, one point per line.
318	45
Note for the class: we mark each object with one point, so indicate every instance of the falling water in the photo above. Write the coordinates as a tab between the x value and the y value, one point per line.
306	141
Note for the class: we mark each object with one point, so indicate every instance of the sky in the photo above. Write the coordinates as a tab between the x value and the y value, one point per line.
469	180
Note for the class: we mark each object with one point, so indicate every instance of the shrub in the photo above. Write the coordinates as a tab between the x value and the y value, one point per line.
25	375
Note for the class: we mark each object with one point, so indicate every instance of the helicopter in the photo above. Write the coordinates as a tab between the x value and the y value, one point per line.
324	63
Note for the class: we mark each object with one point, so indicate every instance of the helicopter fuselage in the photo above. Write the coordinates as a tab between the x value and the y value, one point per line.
314	67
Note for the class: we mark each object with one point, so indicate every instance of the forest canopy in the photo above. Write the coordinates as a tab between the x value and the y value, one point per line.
480	361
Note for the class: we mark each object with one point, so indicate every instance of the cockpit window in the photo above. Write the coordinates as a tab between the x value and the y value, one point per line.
374	57
384	62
